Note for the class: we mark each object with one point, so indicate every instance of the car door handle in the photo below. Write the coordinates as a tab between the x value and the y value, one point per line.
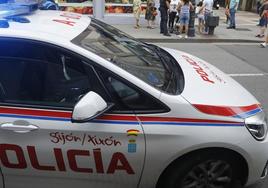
19	128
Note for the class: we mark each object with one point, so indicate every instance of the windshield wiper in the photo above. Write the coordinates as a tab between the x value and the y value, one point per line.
159	52
170	67
170	81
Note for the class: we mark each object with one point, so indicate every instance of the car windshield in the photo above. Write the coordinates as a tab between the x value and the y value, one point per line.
147	62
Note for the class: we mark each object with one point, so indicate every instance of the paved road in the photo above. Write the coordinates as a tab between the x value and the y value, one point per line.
246	63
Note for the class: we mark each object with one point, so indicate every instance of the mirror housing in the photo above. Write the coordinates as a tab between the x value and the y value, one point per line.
89	107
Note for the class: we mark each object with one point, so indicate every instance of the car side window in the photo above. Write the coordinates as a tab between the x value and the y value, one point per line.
129	98
53	78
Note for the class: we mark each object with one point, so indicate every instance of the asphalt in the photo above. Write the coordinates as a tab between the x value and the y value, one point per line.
245	31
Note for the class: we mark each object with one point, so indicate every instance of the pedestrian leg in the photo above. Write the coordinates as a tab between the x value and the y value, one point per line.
164	19
232	19
234	25
263	45
161	21
206	16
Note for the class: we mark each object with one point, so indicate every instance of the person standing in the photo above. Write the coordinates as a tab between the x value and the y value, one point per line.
184	7
207	6
265	13
227	10
200	15
149	14
164	6
259	3
263	18
172	14
137	12
233	8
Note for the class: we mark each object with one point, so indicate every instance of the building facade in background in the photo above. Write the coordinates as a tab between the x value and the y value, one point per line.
113	11
121	11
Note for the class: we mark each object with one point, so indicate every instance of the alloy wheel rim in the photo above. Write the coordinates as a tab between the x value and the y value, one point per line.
208	174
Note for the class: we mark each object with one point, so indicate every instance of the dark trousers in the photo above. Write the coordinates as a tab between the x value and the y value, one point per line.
163	21
206	15
171	19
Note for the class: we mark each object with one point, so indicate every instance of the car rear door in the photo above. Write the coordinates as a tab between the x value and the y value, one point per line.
39	145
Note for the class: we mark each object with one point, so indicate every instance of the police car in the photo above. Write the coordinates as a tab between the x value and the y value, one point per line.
84	105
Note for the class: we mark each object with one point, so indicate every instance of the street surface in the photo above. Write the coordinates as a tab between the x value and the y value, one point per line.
246	63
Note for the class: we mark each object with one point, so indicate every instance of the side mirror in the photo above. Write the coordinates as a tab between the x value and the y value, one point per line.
89	107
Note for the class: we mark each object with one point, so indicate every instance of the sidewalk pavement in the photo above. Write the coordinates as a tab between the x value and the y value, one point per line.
245	31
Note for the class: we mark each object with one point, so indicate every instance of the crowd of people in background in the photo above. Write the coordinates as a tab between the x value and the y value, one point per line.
137	12
175	16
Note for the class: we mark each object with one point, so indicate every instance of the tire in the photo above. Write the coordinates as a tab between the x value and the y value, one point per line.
202	170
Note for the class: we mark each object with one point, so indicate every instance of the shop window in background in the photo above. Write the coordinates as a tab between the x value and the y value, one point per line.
121	6
78	6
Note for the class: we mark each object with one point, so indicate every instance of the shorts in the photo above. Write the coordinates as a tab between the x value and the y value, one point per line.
263	22
201	17
184	19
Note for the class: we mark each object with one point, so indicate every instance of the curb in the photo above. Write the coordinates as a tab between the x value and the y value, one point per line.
192	40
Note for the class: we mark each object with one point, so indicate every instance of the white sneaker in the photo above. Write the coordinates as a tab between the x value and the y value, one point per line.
263	45
179	36
186	36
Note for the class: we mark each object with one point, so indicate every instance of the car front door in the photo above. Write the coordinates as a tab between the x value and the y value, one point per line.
39	144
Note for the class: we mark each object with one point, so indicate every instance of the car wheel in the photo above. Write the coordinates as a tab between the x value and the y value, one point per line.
202	171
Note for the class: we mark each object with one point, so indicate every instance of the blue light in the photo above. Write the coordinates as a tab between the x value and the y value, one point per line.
17	8
3	1
4	24
13	10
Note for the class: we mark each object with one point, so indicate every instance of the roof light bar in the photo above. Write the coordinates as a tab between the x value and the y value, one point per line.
17	8
12	10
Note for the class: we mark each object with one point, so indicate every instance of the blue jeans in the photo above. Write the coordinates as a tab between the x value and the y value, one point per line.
184	19
263	22
232	17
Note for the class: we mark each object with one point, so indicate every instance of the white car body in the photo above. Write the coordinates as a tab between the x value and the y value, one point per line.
209	114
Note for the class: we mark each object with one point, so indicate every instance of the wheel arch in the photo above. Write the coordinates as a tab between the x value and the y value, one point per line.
241	162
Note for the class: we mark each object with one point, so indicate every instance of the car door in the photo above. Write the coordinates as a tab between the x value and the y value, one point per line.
40	146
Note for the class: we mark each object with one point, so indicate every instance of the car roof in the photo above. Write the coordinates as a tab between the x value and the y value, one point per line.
47	25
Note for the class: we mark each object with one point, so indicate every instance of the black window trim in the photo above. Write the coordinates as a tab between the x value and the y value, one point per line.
164	109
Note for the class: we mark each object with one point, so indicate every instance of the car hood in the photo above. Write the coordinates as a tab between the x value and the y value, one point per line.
211	91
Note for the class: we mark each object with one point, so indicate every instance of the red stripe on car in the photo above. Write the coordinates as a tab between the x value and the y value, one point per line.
225	110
